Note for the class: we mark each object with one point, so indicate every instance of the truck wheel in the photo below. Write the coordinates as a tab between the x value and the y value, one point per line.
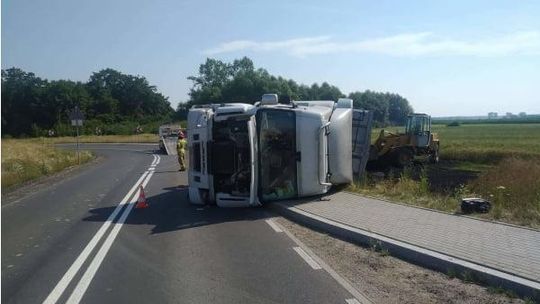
403	157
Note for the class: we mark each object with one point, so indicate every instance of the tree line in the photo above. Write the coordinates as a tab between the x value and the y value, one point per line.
113	103
117	103
240	81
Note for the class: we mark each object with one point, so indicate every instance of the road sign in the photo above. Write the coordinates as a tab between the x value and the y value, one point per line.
77	117
77	122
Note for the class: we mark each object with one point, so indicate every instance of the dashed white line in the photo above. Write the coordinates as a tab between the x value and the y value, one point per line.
307	258
273	225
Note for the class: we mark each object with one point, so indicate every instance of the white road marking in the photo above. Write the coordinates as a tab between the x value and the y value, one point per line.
61	286
273	225
342	281
307	258
352	301
87	277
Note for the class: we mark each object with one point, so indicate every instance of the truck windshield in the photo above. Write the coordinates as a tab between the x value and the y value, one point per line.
277	154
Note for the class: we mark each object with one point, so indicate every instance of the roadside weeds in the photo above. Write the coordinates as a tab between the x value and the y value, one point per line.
24	160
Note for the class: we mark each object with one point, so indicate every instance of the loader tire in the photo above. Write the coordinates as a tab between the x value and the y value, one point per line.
434	156
403	157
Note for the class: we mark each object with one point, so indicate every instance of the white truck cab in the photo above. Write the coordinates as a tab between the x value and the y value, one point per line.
246	155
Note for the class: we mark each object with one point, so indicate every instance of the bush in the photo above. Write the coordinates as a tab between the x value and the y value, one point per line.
453	124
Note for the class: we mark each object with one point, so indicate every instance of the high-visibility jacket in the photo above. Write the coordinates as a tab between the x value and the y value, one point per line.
181	146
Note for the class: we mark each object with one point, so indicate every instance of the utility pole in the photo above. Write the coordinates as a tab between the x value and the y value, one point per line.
78	153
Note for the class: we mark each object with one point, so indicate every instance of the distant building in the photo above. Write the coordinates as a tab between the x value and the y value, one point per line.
522	114
492	115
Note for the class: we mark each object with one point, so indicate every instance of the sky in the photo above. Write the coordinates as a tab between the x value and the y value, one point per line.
446	57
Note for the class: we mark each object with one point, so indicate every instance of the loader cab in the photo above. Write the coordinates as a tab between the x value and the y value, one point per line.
418	128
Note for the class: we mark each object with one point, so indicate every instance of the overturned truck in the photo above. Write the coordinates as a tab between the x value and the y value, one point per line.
246	155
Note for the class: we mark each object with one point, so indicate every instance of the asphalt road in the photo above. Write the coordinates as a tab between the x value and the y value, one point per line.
79	240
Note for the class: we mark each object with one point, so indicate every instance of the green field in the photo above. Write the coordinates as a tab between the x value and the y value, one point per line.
484	143
489	142
499	162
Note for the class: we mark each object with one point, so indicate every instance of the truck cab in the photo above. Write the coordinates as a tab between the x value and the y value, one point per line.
247	155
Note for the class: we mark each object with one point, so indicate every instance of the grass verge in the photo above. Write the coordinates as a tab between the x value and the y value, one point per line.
25	160
141	138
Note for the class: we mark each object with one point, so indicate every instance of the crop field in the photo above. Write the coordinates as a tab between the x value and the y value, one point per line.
484	143
489	143
498	162
27	159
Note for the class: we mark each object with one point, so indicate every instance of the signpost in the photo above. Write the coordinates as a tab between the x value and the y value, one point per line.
77	118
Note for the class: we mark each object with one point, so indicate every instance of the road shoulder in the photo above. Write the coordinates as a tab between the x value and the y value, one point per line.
386	279
17	193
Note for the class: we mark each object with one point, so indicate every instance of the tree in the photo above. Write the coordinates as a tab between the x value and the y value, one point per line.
30	104
387	108
239	81
22	102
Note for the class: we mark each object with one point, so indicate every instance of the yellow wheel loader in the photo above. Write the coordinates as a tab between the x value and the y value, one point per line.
399	149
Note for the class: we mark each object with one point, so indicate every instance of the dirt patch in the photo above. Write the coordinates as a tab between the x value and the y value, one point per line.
385	279
444	178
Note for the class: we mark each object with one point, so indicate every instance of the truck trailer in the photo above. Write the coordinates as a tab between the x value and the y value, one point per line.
246	155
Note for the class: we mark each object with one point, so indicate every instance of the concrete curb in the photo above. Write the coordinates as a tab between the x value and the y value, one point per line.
415	254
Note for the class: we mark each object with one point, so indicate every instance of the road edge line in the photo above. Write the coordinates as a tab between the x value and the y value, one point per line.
359	296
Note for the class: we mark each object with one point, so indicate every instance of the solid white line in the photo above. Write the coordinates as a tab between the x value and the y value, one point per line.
86	279
307	258
154	161
273	225
60	287
352	301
